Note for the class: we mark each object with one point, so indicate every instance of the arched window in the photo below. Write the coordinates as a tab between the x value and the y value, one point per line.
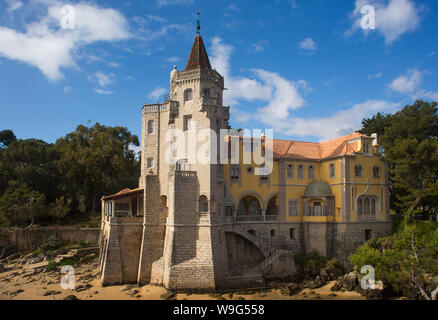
203	204
316	209
358	170
188	95
332	170
206	93
290	171
366	205
272	233
311	172
254	208
376	172
300	172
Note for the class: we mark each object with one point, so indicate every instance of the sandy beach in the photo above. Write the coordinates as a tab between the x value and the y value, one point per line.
31	282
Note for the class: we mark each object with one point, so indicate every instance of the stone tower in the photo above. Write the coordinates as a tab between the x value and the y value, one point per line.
183	244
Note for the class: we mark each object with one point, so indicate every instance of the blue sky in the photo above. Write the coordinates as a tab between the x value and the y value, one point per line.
302	67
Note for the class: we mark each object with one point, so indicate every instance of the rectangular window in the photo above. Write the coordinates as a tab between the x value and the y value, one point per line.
150	162
368	234
293	207
290	171
292	233
264	178
187	122
150	126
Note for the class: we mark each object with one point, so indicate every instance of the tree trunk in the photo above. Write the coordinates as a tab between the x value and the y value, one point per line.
413	207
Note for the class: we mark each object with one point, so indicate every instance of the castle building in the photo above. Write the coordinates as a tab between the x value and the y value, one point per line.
204	226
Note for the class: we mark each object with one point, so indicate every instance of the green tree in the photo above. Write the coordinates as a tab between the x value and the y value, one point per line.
411	148
376	124
95	161
404	259
6	138
32	164
21	206
410	142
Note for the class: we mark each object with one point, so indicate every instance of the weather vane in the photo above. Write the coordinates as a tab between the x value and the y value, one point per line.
198	24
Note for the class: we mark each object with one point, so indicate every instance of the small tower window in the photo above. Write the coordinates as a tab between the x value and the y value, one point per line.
203	204
365	148
188	95
272	233
206	93
187	123
150	126
150	162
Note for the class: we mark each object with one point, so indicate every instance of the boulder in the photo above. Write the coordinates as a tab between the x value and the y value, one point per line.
377	292
350	281
71	297
338	285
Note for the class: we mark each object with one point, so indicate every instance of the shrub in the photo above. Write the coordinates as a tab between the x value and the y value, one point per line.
51	266
51	244
68	262
310	264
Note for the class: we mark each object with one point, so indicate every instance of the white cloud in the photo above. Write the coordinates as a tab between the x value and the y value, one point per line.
341	123
172	59
102	91
46	46
393	18
283	98
101	78
407	83
281	95
157	93
423	94
308	45
162	3
14	5
67	89
375	76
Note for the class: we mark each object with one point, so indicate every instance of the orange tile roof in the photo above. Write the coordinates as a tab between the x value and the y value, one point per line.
301	150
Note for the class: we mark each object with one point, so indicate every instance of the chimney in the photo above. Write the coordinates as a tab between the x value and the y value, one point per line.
375	142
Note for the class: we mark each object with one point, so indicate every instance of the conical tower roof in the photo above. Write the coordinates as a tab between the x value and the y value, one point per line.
198	58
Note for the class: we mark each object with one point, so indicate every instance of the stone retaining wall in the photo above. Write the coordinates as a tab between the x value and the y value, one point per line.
26	239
